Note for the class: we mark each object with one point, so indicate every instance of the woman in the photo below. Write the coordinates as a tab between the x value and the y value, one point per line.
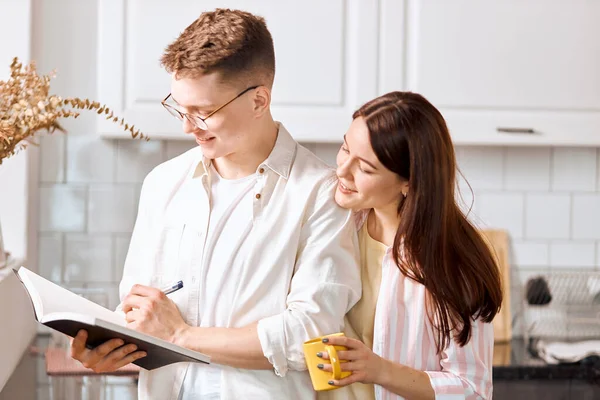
431	286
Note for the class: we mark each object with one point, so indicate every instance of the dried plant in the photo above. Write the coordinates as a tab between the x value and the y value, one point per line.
26	107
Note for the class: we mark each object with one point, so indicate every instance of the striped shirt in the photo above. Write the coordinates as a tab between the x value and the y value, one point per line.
404	335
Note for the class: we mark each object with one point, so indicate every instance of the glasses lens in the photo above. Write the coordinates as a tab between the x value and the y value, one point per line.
197	121
173	111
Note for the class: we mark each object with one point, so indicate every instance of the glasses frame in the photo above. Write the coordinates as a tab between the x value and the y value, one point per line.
197	120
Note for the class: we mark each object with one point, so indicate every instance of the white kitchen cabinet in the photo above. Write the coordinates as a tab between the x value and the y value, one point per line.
493	67
508	65
326	61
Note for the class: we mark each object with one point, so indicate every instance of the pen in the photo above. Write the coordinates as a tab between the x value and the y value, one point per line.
173	288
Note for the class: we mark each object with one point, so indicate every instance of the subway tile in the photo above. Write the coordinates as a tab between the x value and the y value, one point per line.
527	168
586	216
52	158
572	255
135	159
501	211
548	216
327	152
173	148
530	254
483	167
90	159
62	208
574	169
50	256
121	246
111	208
88	259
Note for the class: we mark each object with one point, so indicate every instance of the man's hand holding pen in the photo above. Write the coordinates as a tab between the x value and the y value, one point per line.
150	311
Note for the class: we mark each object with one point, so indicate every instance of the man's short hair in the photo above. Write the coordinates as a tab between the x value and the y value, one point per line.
234	43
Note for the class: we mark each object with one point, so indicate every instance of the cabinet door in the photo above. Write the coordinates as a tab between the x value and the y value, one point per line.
326	57
494	66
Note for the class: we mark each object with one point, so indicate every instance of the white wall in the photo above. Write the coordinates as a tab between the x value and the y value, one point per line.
15	31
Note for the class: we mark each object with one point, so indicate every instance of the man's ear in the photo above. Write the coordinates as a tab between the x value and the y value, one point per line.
261	100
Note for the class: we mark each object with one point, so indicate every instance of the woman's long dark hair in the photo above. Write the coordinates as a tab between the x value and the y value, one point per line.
435	244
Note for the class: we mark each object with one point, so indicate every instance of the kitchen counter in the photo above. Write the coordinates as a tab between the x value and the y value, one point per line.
512	361
519	375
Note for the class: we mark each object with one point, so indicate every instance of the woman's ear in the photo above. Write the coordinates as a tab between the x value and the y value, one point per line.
404	189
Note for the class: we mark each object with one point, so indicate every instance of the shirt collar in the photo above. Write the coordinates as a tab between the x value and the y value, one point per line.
279	161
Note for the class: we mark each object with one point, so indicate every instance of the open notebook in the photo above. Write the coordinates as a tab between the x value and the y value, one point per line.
67	312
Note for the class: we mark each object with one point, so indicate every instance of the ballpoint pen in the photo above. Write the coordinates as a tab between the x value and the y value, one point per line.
173	288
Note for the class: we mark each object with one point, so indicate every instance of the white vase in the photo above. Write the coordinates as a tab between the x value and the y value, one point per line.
3	257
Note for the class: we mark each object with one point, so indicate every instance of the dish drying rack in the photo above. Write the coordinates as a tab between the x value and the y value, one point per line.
562	306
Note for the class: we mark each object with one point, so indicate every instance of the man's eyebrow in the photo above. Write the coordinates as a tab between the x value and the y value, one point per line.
195	107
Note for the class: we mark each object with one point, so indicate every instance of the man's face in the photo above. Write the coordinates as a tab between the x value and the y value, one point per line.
226	133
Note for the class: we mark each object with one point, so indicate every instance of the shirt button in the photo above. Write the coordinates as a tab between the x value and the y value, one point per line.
257	195
260	171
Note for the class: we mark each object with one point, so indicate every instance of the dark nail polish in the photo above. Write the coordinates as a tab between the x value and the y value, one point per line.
320	366
319	354
330	382
325	340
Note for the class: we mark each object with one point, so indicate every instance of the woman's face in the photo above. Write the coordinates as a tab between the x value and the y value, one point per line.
364	182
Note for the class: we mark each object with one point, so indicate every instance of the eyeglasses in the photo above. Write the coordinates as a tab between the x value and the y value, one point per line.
196	120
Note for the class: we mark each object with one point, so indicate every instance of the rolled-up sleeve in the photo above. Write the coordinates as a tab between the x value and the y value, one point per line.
325	285
466	371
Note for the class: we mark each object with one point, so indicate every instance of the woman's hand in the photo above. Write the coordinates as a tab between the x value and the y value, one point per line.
366	366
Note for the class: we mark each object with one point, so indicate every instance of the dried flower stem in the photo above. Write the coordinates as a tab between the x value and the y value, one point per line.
27	107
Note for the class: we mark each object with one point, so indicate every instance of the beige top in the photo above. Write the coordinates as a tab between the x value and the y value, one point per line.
359	322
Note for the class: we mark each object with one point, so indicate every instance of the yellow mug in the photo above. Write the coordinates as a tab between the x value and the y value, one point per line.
320	379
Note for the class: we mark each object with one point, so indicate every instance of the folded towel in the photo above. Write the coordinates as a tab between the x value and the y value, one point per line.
565	352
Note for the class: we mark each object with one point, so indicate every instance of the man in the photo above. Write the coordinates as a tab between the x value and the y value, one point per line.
247	220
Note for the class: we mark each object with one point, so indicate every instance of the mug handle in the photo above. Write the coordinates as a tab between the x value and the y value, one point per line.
335	362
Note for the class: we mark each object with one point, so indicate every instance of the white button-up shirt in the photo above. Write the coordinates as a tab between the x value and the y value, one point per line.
299	275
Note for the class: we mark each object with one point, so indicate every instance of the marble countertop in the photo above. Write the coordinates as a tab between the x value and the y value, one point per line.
512	361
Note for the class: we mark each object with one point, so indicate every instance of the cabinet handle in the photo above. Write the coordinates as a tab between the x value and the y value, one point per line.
515	130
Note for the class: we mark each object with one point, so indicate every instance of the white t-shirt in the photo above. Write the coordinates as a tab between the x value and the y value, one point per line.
221	267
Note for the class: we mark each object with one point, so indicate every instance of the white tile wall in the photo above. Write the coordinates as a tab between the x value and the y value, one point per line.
574	169
135	158
527	169
62	208
111	208
501	210
548	216
579	255
529	254
88	258
586	216
482	166
50	254
90	160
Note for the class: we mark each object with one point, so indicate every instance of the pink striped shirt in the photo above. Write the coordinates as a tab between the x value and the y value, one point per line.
403	334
